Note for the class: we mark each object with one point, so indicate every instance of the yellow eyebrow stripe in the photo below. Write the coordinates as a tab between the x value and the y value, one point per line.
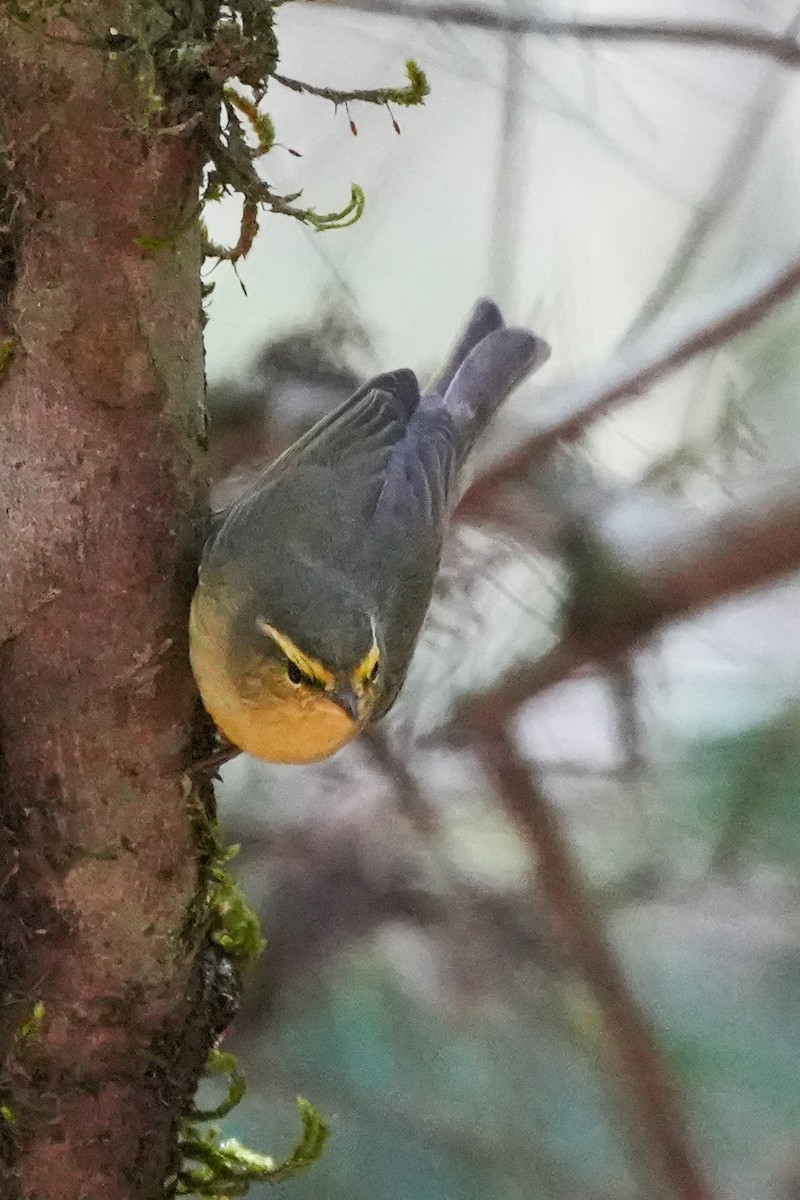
309	666
364	668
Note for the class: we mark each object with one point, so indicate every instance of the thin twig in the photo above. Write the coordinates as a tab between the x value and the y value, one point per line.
643	1076
510	173
725	36
624	686
564	414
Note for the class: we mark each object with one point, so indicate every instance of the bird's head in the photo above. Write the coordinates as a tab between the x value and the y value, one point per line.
289	681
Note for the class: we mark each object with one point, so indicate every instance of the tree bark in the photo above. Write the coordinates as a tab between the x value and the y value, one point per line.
101	501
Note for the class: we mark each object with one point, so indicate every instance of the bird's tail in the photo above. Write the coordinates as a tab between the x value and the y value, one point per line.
486	364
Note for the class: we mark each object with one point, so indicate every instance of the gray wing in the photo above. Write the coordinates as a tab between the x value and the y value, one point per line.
370	422
341	460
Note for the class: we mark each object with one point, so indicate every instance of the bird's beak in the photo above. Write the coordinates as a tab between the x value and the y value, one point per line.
347	699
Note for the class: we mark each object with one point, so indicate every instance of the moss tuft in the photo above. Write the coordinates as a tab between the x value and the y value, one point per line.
227	1168
223	914
190	62
235	927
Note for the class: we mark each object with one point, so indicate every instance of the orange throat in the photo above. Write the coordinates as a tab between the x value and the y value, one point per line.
293	729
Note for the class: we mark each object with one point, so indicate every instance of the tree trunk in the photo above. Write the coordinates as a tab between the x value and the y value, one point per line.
102	1021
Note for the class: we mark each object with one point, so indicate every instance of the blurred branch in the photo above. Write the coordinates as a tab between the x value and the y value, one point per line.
489	917
727	36
624	686
564	414
708	442
727	185
422	1120
661	574
642	1074
410	799
510	171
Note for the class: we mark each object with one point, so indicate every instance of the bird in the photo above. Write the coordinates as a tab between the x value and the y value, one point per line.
314	585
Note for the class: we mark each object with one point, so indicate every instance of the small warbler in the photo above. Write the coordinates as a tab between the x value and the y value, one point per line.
313	589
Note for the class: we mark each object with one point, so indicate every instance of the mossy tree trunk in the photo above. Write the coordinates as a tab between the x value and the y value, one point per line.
105	995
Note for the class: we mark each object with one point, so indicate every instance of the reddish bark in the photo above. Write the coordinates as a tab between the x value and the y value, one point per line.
101	428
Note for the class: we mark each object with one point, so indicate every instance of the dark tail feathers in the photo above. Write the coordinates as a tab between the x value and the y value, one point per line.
485	365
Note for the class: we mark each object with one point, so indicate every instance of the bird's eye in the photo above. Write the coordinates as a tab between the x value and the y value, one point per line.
295	674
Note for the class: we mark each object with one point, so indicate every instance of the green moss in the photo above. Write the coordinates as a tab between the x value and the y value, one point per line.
184	59
222	912
212	1166
175	53
151	245
32	1026
236	928
221	1168
225	1168
220	1063
261	123
418	87
233	156
169	241
19	1080
414	92
7	348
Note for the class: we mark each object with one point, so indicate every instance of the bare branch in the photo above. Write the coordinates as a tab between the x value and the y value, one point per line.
727	36
665	574
564	413
642	1075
